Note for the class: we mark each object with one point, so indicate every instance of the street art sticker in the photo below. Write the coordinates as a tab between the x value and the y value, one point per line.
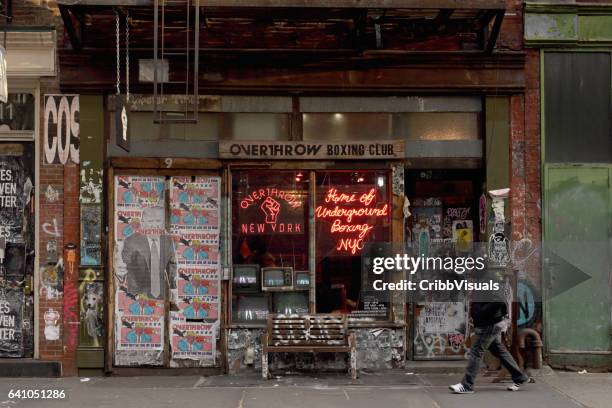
91	184
499	250
91	235
13	197
11	315
440	330
52	280
91	304
61	129
463	235
52	328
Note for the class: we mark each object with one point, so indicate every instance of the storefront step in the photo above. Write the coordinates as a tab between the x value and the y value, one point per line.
26	367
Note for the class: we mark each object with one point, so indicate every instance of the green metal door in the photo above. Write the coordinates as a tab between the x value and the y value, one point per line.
577	233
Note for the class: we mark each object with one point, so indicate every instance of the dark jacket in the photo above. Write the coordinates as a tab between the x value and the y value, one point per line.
487	313
137	257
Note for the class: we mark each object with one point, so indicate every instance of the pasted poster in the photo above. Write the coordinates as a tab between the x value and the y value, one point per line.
193	341
194	225
440	330
61	129
11	315
144	262
141	333
15	190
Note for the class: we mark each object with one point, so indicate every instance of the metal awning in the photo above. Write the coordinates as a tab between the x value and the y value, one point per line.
298	26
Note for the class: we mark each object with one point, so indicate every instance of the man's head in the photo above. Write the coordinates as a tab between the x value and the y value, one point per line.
152	219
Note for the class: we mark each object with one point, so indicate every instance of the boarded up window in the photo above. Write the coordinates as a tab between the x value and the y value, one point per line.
577	107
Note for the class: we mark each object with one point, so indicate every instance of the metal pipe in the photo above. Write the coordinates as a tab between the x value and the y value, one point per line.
536	343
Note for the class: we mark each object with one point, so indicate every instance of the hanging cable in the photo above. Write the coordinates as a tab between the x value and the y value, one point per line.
117	49
127	56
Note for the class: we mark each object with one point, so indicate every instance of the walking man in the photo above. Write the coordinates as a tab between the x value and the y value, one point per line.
488	321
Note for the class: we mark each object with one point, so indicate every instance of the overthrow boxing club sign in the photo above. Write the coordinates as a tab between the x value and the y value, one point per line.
392	149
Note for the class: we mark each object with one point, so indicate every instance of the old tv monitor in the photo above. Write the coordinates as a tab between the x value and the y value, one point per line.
250	308
246	278
276	278
290	303
302	280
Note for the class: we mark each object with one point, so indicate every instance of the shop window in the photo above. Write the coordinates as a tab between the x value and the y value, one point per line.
17	114
428	126
253	126
436	126
345	126
270	243
578	123
351	208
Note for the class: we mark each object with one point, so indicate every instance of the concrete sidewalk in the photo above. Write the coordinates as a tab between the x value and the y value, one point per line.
395	389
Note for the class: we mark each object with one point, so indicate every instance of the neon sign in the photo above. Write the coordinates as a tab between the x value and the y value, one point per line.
343	209
264	209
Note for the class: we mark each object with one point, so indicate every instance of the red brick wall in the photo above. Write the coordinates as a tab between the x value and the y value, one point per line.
63	211
525	200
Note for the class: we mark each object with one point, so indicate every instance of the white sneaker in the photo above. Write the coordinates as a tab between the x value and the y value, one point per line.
514	387
460	389
517	386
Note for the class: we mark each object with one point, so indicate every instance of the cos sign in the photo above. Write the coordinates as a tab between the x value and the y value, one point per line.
61	129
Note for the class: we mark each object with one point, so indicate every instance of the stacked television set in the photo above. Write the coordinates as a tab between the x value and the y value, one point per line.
259	291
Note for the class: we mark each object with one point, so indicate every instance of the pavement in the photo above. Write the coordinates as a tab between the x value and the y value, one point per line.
374	390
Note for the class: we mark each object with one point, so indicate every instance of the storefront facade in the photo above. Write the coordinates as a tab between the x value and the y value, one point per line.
264	201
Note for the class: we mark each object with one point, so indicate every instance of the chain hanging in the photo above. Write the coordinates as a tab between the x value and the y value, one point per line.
117	48
127	56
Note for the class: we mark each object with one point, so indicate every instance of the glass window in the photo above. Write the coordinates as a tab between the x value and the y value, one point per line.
436	126
253	126
374	126
347	126
578	123
351	208
17	114
270	239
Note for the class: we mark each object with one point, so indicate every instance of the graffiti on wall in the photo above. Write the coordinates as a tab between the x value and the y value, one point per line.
440	330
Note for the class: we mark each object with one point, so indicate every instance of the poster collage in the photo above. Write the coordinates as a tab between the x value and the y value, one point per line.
181	255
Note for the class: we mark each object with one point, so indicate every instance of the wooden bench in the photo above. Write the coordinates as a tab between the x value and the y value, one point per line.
316	333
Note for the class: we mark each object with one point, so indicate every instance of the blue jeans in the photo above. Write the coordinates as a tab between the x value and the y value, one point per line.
489	337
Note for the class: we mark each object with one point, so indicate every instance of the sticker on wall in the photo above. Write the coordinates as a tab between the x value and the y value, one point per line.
91	184
463	235
499	250
52	329
92	313
91	235
61	129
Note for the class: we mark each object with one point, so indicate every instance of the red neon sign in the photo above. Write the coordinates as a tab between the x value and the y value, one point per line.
264	213
347	207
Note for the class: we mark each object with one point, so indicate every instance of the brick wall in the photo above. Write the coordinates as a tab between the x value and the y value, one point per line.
58	214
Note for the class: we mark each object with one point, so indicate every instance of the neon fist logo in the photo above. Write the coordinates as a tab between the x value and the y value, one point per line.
270	208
